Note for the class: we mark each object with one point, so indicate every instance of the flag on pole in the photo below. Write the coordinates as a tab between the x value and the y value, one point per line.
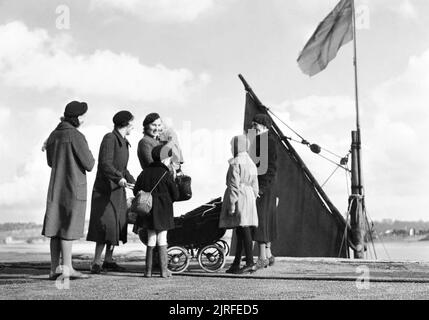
332	33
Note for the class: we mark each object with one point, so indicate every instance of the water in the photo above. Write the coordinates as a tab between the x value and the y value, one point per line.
401	251
395	251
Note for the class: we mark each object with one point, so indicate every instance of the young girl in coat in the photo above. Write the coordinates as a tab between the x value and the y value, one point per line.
161	218
239	202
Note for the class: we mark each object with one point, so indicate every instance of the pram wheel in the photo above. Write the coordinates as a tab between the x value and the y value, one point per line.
224	245
178	259
211	258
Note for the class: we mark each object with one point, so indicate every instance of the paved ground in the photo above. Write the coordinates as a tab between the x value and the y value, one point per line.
289	278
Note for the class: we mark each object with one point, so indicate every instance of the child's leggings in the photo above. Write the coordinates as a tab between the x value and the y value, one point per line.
156	238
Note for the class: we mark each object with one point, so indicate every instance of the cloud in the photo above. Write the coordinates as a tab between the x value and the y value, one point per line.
159	10
33	59
407	10
399	134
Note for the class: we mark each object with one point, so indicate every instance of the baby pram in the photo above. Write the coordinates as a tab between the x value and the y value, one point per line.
197	235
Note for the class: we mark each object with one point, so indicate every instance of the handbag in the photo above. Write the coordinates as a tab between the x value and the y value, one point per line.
183	183
131	215
142	203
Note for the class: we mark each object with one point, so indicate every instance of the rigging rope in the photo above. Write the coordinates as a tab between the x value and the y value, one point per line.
303	140
331	161
326	181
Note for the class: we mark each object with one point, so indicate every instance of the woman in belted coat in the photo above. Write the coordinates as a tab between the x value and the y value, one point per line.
239	202
108	222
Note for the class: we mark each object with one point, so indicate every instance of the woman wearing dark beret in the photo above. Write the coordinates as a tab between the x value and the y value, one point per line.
152	128
266	232
69	157
108	221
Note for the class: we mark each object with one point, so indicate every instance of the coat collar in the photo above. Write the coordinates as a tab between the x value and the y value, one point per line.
121	139
64	125
159	164
239	159
150	138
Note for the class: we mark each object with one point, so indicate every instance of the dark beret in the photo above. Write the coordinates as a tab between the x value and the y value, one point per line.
122	118
75	109
161	152
151	117
263	119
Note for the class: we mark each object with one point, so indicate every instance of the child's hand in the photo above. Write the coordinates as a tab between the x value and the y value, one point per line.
44	145
231	212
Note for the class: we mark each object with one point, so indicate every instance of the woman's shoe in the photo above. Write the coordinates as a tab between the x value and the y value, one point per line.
54	275
271	260
112	266
76	275
247	268
260	264
95	268
234	268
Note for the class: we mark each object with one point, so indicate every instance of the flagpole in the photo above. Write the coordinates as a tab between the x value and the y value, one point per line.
355	65
357	216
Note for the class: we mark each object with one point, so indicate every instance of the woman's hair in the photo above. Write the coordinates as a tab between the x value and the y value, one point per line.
150	118
74	121
240	144
123	123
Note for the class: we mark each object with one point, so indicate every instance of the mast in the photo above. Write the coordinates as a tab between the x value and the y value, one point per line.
324	197
357	217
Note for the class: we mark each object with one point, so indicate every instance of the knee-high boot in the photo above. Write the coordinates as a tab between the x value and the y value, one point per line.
149	260
163	261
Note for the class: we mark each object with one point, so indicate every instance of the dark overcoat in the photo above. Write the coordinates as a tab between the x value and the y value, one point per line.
108	221
161	217
266	203
69	157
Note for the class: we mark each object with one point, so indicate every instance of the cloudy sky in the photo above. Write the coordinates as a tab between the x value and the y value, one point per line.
181	58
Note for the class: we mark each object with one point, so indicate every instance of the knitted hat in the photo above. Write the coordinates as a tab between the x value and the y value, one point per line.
161	152
151	117
122	118
75	109
263	119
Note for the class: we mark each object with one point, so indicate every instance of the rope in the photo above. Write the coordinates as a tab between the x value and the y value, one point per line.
331	161
370	236
330	176
303	140
345	231
381	240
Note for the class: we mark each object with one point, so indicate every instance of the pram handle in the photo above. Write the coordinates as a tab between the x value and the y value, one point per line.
211	205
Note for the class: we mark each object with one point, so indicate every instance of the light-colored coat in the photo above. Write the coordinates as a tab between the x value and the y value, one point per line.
240	194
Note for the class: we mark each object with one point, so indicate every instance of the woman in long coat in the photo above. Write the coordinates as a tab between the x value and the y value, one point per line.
108	222
266	232
239	202
69	157
157	177
152	128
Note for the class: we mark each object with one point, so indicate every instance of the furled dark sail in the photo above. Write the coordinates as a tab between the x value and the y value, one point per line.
309	225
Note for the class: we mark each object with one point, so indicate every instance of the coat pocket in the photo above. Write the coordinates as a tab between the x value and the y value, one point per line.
81	191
